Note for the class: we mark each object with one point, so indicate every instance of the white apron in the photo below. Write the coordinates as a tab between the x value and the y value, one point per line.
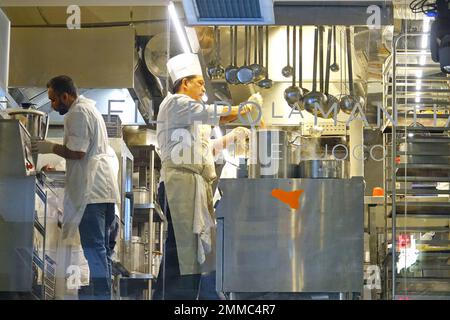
189	194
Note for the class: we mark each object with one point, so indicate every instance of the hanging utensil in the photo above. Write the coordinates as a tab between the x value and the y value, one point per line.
303	90
245	73
215	70
292	94
220	71
288	70
232	69
211	69
334	67
314	98
332	101
266	83
258	69
347	102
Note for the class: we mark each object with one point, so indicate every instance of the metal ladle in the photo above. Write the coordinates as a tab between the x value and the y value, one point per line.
232	69
288	70
245	73
332	101
216	71
334	67
314	98
303	90
257	68
292	94
212	66
347	102
266	83
220	71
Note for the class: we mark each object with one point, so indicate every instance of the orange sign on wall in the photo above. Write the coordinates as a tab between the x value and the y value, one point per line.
291	198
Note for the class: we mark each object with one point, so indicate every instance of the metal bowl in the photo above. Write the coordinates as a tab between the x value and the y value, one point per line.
313	99
332	102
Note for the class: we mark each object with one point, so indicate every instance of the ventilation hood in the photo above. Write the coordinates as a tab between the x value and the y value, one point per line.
285	12
231	12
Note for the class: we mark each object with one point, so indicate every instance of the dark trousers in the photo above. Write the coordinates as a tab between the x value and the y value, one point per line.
94	230
171	285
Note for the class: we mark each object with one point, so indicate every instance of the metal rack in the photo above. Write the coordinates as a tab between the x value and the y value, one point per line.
418	157
148	218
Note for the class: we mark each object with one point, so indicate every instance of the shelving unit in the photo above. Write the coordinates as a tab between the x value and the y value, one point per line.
148	218
418	158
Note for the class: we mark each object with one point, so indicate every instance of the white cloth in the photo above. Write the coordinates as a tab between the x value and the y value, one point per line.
91	179
184	65
202	219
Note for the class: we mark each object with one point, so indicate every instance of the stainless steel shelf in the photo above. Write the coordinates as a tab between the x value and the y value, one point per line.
420	192
420	179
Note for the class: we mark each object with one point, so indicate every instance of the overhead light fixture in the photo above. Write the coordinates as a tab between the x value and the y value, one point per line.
179	28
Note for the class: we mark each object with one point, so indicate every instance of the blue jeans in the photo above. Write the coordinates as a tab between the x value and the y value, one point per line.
207	289
94	235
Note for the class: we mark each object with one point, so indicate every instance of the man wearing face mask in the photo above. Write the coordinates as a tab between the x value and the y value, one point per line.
91	188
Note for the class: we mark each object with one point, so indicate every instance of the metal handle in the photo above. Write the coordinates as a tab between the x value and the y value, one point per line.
47	125
327	69
316	40
349	61
294	54
300	58
293	142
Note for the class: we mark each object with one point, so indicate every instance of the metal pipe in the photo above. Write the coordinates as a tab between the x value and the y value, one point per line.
150	220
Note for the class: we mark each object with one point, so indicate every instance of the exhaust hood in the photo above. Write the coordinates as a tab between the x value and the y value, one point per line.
231	12
286	12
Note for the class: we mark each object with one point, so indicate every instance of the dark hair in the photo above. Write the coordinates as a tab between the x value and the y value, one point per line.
177	85
63	84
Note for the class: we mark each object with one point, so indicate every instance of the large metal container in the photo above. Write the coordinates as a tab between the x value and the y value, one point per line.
36	122
141	195
273	155
137	255
320	169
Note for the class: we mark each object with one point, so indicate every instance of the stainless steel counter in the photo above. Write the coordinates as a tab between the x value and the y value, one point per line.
263	245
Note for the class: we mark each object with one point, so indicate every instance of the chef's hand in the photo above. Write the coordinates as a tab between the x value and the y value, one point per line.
240	133
256	98
41	146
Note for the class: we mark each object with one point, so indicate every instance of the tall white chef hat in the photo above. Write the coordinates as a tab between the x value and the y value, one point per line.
184	65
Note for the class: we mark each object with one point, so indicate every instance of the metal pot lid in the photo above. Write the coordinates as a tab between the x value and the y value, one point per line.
12	111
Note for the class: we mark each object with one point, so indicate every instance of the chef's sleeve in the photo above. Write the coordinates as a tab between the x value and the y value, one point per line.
78	138
194	111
